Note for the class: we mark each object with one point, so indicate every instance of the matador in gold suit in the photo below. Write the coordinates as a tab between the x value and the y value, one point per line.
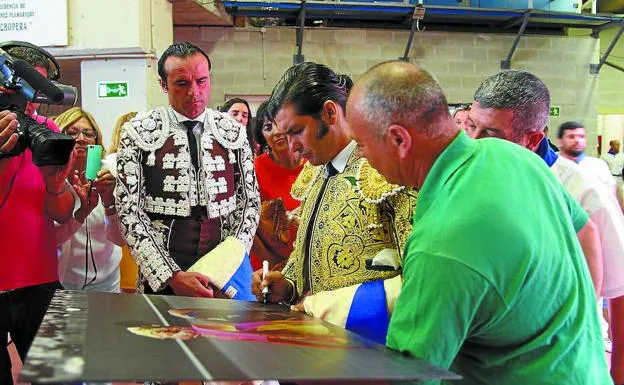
347	219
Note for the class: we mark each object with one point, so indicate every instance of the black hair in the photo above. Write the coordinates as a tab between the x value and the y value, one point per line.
228	104
568	126
261	117
307	86
250	120
183	49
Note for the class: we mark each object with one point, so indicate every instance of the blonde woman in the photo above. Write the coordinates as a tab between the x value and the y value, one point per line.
88	252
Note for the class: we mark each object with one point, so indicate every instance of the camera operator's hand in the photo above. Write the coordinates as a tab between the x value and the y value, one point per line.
59	199
105	185
55	176
82	190
8	136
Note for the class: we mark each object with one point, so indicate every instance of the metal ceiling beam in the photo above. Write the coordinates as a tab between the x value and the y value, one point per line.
506	64
613	65
595	68
596	31
298	57
513	22
416	17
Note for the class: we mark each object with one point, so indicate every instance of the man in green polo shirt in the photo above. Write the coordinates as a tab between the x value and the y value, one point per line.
495	284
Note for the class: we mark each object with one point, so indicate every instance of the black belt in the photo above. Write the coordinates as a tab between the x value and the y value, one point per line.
197	212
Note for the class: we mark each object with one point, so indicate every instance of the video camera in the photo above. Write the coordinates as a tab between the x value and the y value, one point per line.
24	84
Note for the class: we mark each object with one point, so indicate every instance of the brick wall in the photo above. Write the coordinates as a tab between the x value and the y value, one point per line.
249	61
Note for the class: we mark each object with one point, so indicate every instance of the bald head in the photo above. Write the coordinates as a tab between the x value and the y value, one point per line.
399	117
397	92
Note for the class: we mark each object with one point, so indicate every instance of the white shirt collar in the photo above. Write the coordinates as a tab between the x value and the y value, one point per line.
340	161
182	118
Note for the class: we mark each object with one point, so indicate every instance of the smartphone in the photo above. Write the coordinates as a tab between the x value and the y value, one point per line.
94	161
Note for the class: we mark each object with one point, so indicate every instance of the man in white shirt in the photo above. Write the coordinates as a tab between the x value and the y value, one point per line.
572	144
615	160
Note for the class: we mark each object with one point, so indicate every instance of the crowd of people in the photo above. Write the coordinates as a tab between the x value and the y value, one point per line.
464	239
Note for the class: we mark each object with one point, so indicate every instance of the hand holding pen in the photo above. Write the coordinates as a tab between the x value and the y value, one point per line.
276	286
265	290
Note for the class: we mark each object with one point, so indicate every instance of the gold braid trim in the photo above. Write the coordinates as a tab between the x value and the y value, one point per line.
373	187
301	188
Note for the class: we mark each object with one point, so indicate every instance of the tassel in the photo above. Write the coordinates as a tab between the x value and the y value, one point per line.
231	156
151	159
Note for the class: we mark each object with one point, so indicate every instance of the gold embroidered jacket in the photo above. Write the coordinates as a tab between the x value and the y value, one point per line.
350	227
155	177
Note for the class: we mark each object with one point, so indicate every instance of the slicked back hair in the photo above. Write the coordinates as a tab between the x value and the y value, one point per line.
521	92
307	86
396	92
183	50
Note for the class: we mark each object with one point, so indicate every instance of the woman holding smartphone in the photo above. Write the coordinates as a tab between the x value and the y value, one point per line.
88	245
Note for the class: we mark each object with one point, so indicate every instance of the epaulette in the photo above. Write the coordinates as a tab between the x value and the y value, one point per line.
228	132
372	186
149	131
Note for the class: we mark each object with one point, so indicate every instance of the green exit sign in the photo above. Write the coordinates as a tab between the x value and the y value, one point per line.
555	110
112	90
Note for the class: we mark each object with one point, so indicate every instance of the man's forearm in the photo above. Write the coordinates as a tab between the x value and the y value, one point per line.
59	203
590	243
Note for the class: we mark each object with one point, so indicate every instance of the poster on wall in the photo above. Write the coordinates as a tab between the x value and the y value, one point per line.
40	22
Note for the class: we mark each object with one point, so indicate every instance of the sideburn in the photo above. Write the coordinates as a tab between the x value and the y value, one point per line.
323	129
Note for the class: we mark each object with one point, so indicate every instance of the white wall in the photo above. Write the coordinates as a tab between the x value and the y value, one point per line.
106	111
611	127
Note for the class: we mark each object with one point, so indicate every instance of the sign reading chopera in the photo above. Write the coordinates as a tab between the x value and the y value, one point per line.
41	22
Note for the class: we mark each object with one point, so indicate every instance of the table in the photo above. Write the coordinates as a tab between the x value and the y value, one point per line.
99	337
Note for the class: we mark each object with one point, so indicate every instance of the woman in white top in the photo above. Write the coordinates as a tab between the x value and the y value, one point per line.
89	251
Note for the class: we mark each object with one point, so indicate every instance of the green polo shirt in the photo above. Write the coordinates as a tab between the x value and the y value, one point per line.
496	287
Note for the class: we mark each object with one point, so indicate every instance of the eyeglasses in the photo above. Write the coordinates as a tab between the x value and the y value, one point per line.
87	133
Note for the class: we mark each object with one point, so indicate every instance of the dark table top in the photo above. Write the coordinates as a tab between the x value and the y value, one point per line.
127	337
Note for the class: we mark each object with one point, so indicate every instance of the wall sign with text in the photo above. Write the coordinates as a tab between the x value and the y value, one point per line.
40	22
